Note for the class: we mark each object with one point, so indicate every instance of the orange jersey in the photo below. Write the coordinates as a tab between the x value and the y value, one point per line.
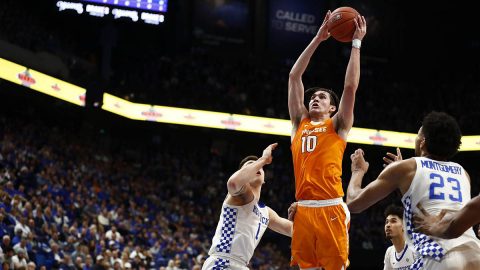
317	153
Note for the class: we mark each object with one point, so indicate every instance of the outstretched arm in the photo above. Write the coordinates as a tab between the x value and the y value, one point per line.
359	199
296	107
343	119
237	184
450	226
279	224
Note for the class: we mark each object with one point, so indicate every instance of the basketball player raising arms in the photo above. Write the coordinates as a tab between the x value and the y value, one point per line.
243	218
319	134
430	180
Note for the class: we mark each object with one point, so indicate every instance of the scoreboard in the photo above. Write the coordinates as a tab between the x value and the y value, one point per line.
147	11
151	5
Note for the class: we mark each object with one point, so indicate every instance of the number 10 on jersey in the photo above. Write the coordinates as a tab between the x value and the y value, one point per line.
309	143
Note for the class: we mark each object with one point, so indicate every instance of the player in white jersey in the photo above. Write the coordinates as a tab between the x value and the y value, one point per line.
400	255
243	218
428	179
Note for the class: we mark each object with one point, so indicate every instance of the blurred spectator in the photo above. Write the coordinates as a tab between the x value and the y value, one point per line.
31	266
19	261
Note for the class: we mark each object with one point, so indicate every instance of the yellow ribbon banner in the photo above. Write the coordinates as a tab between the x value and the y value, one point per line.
264	125
42	83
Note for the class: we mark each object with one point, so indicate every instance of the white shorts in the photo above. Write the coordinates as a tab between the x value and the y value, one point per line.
217	263
464	257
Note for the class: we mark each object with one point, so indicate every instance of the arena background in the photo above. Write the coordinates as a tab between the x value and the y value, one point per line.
167	180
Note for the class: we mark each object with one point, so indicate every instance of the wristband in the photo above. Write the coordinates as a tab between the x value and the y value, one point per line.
356	43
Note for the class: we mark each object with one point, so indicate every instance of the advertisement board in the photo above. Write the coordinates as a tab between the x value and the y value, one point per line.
262	125
293	24
42	83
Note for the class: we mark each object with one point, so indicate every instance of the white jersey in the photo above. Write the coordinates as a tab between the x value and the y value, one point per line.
401	260
239	231
436	186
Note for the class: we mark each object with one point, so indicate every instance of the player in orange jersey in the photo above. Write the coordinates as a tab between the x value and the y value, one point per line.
319	133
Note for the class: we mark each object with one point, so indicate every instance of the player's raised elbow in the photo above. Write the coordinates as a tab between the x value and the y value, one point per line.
350	88
232	185
293	75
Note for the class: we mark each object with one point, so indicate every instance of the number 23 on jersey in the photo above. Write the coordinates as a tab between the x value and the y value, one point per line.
439	188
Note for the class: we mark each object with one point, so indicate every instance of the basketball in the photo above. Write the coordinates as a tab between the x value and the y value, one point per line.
341	24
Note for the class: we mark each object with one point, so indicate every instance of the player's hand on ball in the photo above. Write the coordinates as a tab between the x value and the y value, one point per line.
361	27
323	33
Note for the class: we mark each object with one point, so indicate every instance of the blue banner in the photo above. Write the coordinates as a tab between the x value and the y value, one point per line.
293	24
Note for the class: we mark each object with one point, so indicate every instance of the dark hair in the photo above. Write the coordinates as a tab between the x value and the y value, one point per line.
442	134
333	97
394	210
246	159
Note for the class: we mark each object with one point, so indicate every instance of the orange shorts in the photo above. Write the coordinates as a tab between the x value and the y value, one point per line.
320	235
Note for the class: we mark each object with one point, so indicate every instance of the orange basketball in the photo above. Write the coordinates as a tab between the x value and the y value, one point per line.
341	24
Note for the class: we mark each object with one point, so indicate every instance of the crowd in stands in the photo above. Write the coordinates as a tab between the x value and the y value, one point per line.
66	204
